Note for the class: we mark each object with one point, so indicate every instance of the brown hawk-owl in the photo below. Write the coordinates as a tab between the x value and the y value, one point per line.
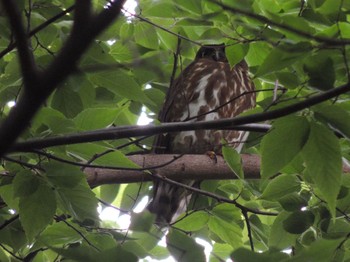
207	89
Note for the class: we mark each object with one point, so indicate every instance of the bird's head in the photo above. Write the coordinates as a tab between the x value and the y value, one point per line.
212	52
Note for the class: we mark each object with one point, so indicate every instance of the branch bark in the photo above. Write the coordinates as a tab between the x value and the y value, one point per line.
197	167
61	67
236	123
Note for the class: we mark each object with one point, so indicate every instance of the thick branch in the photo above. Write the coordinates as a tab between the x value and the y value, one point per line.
235	123
63	65
196	167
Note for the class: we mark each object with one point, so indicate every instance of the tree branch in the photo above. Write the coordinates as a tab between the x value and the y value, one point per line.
236	123
197	167
62	66
28	68
112	133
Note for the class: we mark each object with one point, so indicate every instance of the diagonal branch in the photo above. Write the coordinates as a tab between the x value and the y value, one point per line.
62	66
236	123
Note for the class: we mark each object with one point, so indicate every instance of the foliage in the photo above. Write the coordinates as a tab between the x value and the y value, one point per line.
298	54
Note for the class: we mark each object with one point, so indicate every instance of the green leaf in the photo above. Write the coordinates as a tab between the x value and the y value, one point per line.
233	159
146	35
95	118
63	175
192	6
279	238
323	162
67	102
142	221
121	52
281	186
114	158
54	120
80	202
236	53
257	53
59	234
193	222
335	115
245	255
227	212
280	145
7	194
25	183
36	210
184	248
320	70
282	57
121	84
109	192
298	222
230	233
292	202
321	250
90	254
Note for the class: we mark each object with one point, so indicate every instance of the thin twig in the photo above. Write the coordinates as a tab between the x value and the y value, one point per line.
321	39
163	28
38	29
214	196
8	221
80	234
249	229
11	253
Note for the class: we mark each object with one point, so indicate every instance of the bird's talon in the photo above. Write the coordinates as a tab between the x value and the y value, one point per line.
212	155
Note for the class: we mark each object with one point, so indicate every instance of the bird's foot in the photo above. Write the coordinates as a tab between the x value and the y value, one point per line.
212	155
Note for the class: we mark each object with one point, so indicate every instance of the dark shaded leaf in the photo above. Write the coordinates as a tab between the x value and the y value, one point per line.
323	162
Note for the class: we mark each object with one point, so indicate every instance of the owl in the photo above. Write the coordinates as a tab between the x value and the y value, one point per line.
207	89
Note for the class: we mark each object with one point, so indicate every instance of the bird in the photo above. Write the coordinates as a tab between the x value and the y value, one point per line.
207	89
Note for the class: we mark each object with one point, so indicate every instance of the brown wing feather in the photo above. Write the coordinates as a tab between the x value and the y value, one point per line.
204	86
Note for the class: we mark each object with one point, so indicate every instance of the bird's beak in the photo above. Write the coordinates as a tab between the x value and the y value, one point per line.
217	55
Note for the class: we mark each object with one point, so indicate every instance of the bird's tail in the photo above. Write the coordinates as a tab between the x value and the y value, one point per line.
169	201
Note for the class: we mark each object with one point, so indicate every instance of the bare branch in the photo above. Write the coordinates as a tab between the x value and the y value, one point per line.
197	167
